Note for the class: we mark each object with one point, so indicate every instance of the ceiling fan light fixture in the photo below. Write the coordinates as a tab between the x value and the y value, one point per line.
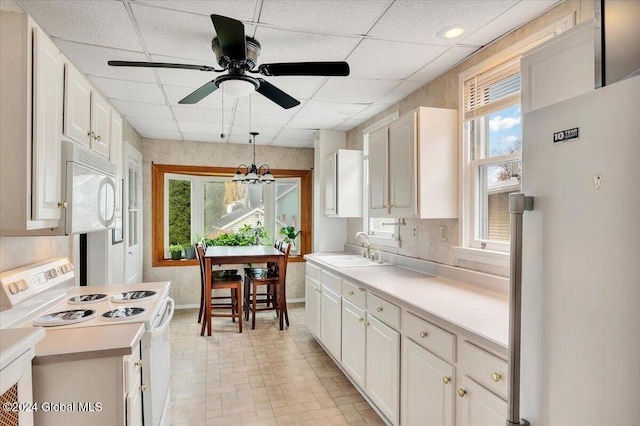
237	88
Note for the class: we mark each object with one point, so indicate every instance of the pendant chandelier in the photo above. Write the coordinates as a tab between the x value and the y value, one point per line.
253	174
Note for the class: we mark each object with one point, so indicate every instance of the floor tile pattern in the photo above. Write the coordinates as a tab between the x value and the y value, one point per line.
261	377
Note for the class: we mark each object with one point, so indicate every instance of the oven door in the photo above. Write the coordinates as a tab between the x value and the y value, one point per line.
156	369
90	199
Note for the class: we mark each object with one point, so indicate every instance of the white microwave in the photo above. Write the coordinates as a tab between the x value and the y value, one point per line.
89	190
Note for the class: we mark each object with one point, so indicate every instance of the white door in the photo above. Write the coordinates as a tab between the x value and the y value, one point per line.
353	344
403	177
382	381
476	406
133	222
428	387
330	321
312	306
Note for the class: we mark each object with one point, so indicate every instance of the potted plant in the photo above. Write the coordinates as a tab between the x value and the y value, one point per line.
290	234
190	251
176	251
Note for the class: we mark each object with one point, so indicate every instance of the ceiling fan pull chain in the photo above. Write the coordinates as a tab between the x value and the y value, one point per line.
222	124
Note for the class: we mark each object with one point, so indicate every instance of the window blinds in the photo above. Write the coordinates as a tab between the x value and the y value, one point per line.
492	90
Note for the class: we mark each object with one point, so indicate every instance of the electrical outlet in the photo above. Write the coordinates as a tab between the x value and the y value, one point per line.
443	234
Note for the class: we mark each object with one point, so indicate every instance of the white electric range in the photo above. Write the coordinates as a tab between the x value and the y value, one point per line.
44	294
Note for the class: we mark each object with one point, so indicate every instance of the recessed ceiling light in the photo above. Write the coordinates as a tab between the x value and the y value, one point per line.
452	31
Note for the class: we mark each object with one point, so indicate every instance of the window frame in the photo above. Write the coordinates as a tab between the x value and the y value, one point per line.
158	196
496	253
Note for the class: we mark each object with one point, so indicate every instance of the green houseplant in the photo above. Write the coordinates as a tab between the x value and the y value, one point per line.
176	251
289	233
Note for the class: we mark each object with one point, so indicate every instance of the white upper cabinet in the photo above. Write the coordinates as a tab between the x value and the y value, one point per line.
87	115
77	106
31	117
116	155
343	184
413	166
559	69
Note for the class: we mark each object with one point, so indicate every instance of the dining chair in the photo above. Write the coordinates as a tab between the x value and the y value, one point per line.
268	277
232	282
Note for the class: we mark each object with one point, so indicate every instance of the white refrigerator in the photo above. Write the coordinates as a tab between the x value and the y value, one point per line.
580	359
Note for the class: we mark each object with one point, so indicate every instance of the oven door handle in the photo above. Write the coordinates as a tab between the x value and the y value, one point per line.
167	317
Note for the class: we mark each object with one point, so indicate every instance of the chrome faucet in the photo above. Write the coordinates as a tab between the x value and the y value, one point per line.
366	253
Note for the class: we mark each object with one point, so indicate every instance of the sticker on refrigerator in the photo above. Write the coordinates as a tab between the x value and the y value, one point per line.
567	135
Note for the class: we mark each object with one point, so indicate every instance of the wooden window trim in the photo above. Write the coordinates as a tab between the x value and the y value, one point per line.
157	206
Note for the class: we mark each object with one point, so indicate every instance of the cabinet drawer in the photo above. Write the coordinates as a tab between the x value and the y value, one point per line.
331	281
486	368
385	311
133	365
429	336
354	294
314	272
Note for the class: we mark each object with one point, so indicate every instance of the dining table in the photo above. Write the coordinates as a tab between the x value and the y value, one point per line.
236	255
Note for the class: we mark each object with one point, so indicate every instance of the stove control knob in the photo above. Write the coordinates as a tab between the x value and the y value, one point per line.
53	273
13	288
67	267
23	285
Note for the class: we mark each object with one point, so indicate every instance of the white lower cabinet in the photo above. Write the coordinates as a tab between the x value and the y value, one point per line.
312	306
382	371
476	406
428	388
330	321
353	341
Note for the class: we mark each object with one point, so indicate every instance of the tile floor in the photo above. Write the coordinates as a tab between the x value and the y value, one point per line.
260	377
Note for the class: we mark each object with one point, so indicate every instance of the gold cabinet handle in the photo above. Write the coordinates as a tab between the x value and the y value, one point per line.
360	319
93	135
462	392
496	377
379	309
89	133
143	388
62	204
423	334
351	293
98	138
446	380
362	289
138	363
367	324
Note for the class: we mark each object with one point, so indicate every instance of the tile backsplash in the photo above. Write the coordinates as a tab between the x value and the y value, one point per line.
20	251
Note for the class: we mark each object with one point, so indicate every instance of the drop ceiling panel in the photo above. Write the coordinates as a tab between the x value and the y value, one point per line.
203	137
390	60
176	34
350	124
354	90
242	131
142	110
400	92
259	120
300	87
241	10
292	143
211	128
261	104
300	134
442	63
153	123
421	20
317	123
522	12
92	60
294	46
371	111
330	109
129	90
201	115
104	23
159	134
333	17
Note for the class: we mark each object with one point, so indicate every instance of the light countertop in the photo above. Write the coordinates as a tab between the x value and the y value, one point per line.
88	342
481	312
16	341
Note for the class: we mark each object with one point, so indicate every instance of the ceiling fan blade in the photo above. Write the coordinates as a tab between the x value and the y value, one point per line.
200	93
160	65
276	95
230	33
340	69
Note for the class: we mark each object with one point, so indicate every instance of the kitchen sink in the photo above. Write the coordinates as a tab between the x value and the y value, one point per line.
345	261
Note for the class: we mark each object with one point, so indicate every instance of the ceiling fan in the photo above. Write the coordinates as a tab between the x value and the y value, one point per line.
238	54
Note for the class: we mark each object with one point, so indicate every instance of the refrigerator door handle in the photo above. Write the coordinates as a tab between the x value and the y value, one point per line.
518	204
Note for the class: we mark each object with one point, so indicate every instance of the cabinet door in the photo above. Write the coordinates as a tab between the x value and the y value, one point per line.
353	343
382	373
331	321
100	124
428	387
378	173
116	156
330	186
312	306
77	106
403	176
48	72
477	406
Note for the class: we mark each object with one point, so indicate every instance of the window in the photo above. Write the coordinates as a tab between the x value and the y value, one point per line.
190	201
